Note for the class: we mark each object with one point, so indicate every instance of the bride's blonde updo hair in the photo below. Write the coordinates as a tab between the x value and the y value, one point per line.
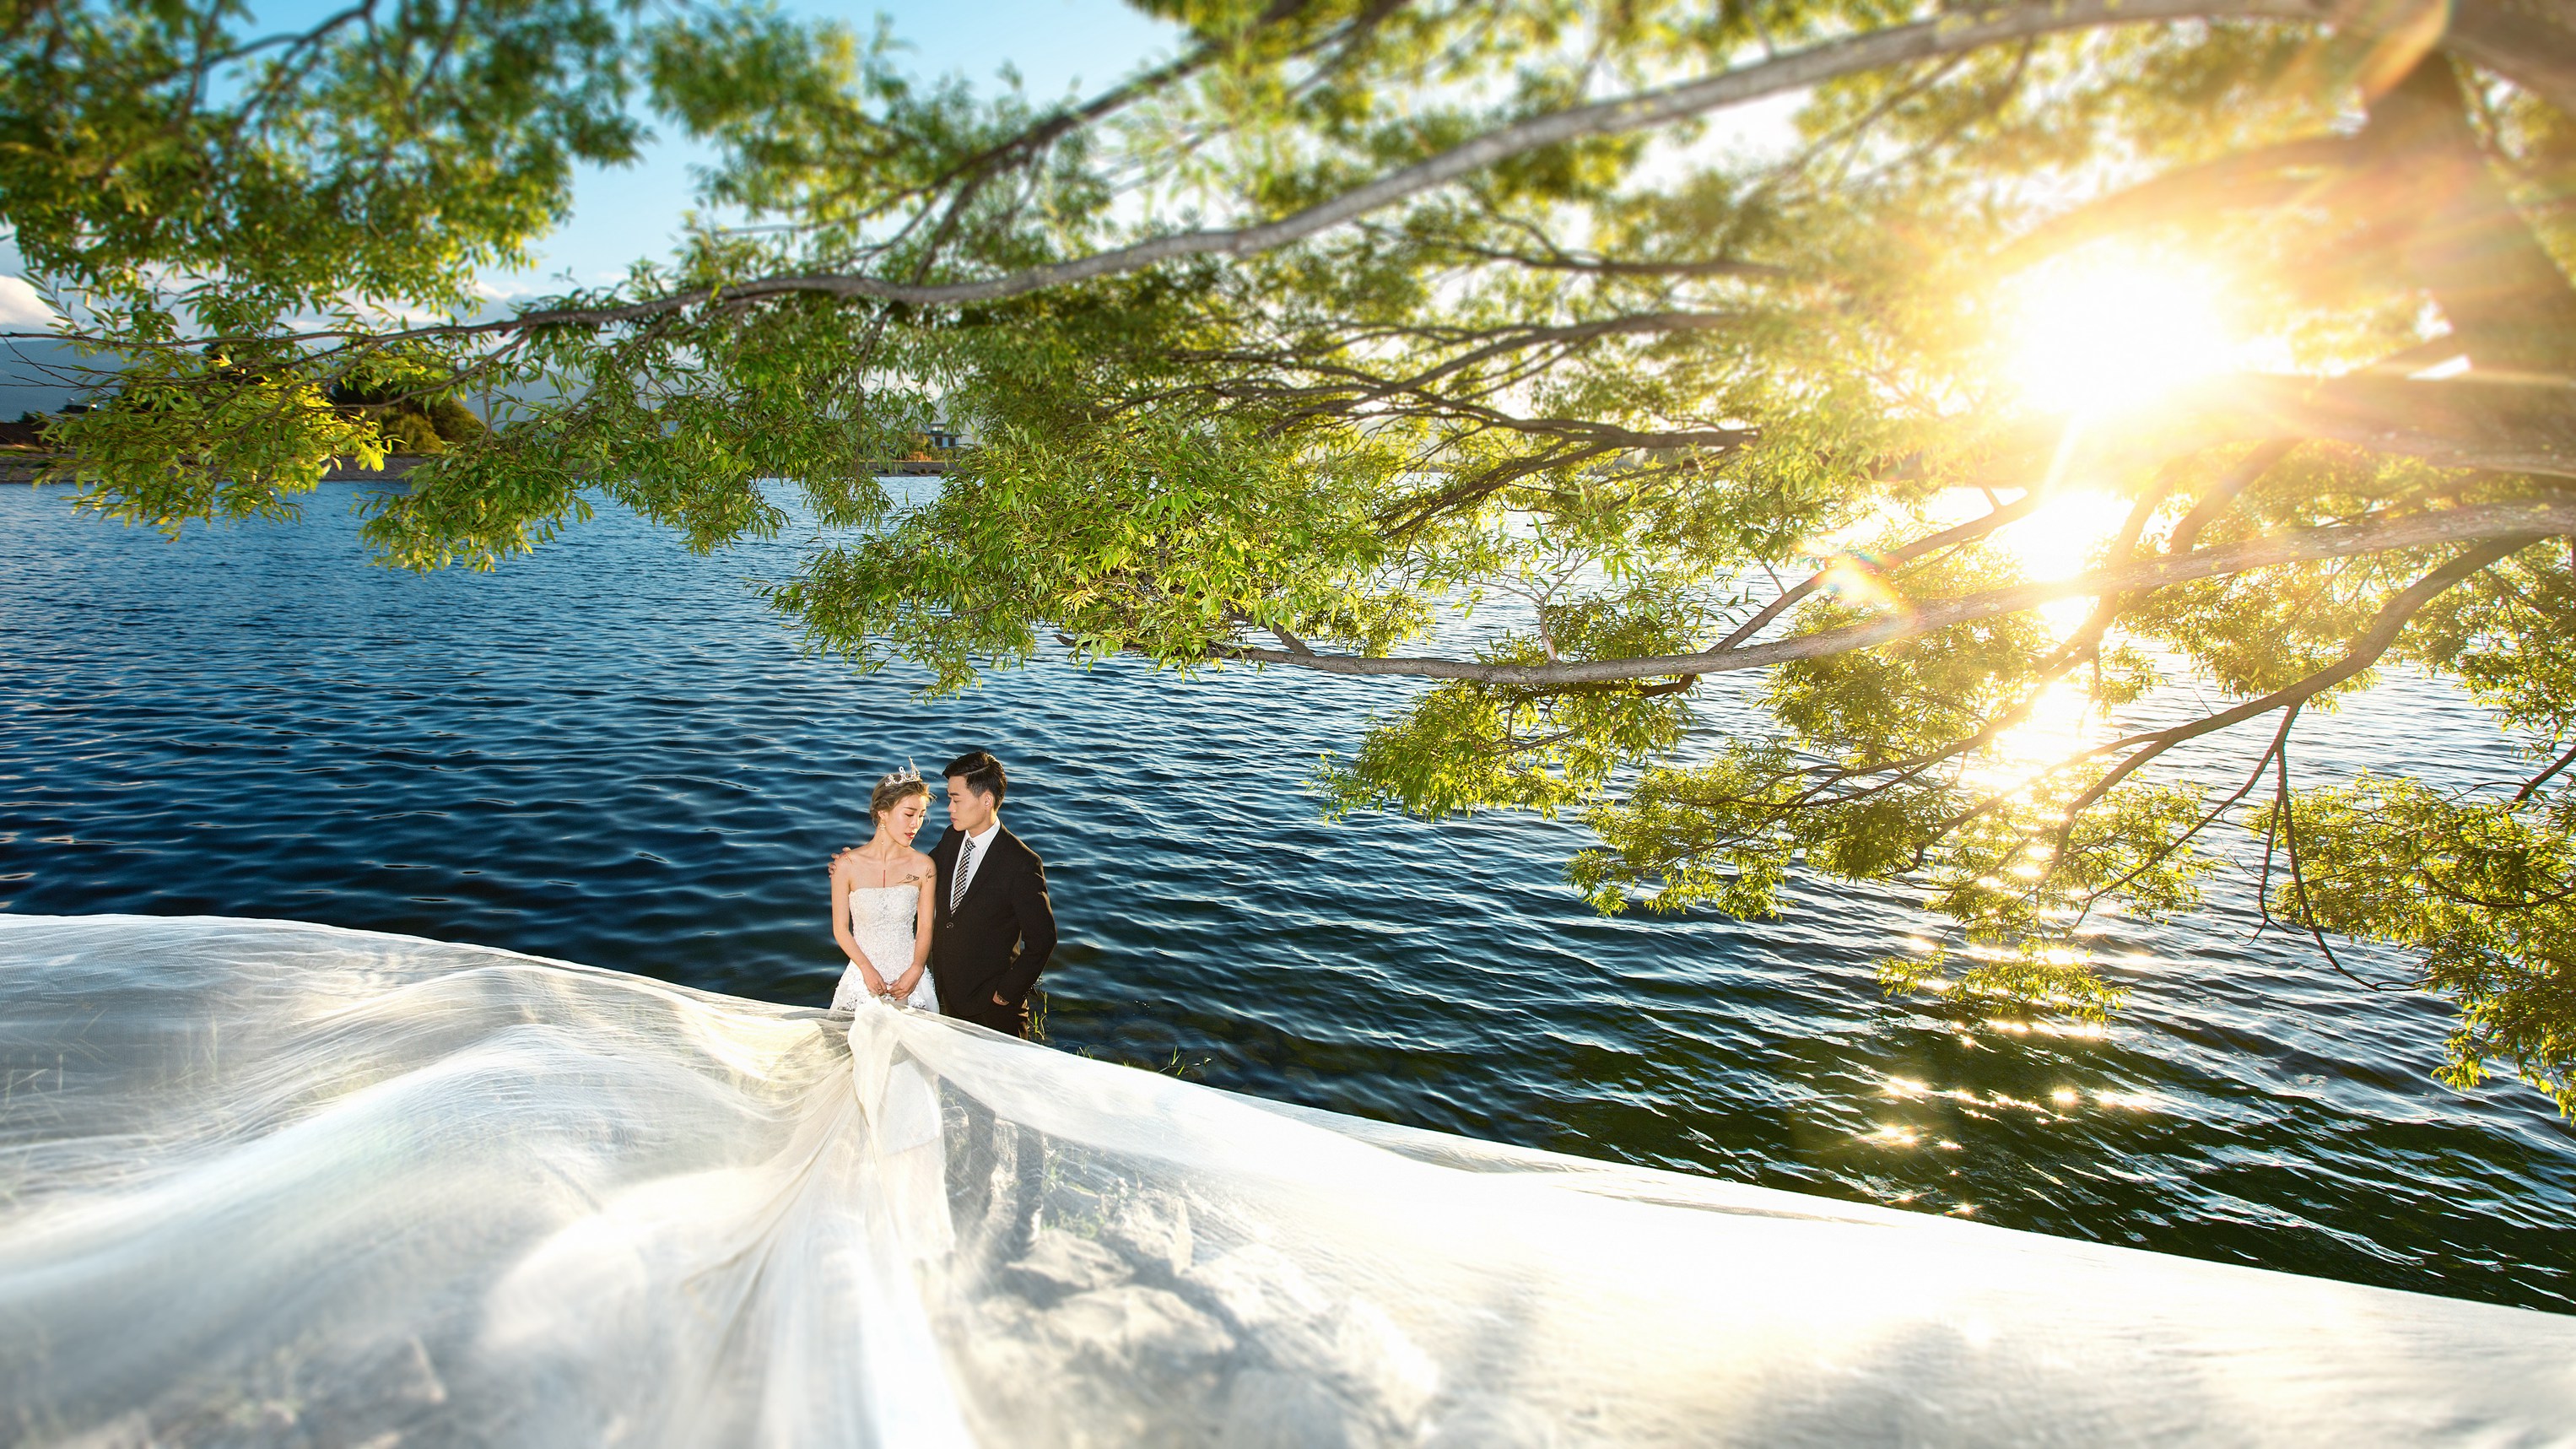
896	788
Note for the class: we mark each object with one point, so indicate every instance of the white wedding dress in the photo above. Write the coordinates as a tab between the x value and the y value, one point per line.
264	1183
881	921
902	1103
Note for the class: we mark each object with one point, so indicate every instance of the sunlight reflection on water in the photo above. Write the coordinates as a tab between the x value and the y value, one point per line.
611	753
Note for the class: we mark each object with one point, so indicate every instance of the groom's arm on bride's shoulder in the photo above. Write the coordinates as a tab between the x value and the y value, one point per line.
1035	916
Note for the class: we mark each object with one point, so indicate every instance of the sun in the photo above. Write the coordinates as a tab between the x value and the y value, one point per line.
2106	333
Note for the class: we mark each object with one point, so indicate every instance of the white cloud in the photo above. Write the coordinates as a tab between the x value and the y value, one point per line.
20	307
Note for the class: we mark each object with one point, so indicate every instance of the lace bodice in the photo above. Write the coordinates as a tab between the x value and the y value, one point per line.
881	921
879	909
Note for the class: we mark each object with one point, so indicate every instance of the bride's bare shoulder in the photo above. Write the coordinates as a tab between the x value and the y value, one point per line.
919	867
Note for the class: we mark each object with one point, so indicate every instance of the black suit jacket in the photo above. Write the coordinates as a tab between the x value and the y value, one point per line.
996	940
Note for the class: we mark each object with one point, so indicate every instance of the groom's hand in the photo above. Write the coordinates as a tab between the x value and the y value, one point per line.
998	1001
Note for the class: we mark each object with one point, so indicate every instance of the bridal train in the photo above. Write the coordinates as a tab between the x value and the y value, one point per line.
270	1183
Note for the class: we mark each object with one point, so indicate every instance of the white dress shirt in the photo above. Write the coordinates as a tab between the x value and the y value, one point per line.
983	844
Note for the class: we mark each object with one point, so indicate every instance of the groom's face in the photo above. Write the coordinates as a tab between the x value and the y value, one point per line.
968	807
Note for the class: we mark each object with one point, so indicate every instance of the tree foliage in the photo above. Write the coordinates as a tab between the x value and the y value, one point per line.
1364	323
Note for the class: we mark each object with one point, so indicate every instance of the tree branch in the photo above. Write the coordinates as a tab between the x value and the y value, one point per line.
2206	509
1950	34
2255	177
1974	528
2532	46
2532	786
2365	651
2288	821
2209	817
2513	424
1611	267
2518	522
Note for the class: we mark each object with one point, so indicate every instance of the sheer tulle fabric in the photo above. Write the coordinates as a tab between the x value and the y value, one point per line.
264	1183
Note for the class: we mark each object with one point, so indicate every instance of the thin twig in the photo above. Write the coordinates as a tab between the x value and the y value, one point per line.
2299	884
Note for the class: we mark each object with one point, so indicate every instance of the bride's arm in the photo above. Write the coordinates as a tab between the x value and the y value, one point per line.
841	930
921	914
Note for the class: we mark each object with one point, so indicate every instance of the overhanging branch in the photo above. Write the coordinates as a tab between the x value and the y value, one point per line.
1950	34
2534	51
2457	525
2365	651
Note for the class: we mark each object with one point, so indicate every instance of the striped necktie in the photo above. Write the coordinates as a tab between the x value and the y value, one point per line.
965	867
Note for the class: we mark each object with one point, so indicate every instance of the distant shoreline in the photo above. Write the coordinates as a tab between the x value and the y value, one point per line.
23	468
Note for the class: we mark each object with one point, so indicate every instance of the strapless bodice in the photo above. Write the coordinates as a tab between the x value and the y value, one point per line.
881	921
883	908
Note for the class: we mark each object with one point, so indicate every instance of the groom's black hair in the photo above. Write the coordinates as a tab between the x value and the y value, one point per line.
981	772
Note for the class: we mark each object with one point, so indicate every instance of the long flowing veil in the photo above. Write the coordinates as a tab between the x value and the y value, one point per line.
269	1183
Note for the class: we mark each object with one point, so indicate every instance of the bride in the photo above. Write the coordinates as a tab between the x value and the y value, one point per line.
882	902
882	898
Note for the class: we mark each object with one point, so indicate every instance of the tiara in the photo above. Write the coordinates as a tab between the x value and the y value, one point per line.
910	774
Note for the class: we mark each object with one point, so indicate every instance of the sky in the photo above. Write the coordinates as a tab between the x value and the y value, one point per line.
624	213
1056	45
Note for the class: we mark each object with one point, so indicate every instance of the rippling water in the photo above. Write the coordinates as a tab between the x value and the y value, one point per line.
612	753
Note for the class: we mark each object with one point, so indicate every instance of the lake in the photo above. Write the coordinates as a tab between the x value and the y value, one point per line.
612	752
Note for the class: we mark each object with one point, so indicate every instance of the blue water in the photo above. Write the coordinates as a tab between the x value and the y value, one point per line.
612	753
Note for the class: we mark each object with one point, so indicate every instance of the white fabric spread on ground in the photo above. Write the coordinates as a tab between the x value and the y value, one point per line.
266	1183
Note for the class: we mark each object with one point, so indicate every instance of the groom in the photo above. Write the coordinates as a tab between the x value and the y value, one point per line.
995	928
